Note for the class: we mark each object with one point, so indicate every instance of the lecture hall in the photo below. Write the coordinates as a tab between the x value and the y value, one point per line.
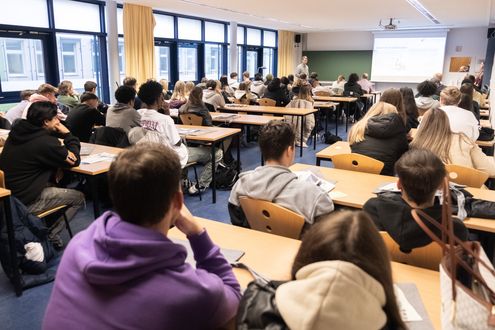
173	164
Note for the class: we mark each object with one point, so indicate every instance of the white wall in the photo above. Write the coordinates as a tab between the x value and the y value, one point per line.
472	40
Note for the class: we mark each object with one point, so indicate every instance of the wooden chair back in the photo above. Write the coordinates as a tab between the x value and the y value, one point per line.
467	176
271	218
191	119
267	102
322	93
2	180
358	163
237	101
428	256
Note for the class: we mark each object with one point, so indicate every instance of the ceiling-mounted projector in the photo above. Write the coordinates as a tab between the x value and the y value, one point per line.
389	26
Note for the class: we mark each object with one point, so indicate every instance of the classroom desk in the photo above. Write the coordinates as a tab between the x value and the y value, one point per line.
95	170
214	135
339	99
485	123
241	119
16	275
339	147
354	189
282	111
272	257
485	113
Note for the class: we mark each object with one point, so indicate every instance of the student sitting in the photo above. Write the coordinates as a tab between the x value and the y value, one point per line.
178	97
426	98
410	107
305	101
246	77
132	82
163	127
90	87
122	114
196	106
243	93
393	96
365	84
275	92
338	85
275	182
258	86
467	101
31	159
188	88
16	112
67	96
84	116
435	134
166	93
233	83
380	134
353	89
45	92
461	121
213	94
124	263
341	279
421	174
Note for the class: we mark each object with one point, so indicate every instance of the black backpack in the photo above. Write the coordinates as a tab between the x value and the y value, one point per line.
330	138
226	175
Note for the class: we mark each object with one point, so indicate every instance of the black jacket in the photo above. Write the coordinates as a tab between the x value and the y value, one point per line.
355	88
392	214
81	120
200	111
278	95
385	139
31	155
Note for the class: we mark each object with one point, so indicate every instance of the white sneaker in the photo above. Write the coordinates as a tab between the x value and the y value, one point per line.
195	189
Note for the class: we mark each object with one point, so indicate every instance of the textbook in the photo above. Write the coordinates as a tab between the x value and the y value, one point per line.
317	179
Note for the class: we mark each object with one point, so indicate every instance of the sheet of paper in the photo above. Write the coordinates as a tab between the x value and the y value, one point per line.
407	311
230	254
336	194
100	157
86	149
309	176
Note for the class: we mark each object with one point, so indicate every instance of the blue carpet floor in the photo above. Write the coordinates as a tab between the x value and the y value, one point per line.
26	312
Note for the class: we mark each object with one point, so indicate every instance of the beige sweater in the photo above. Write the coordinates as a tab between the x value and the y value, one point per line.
467	153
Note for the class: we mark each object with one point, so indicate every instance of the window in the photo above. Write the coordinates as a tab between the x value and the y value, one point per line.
75	15
25	13
240	35
267	60
79	59
252	62
15	57
162	56
121	56
213	61
269	39
189	29
120	21
254	37
164	27
23	63
68	47
188	62
214	32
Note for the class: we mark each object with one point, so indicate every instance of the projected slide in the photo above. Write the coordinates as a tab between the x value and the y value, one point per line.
407	59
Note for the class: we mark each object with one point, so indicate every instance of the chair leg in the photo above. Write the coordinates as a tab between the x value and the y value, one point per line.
67	225
197	181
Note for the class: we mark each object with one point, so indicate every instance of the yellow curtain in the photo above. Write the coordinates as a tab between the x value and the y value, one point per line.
285	53
139	43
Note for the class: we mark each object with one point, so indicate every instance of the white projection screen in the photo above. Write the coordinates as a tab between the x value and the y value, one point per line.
407	56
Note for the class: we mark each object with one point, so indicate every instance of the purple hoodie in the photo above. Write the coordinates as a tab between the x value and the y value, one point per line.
117	275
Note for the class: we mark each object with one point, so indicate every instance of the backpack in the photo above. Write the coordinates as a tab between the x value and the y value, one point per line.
226	175
27	228
330	138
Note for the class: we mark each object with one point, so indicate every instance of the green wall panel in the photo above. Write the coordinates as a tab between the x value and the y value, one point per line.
329	64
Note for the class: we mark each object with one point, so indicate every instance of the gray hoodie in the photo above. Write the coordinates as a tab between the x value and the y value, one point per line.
213	98
124	116
258	87
279	185
426	103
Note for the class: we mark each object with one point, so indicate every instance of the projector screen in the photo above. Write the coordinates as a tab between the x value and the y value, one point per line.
407	57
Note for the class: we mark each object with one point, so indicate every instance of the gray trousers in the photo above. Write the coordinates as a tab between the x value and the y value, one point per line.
53	196
202	155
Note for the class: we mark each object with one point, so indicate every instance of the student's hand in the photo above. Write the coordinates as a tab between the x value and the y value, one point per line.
71	158
62	129
187	224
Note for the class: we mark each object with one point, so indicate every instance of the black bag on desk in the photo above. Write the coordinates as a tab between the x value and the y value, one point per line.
486	134
257	309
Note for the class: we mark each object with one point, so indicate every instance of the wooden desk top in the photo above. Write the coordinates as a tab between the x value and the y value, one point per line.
324	104
353	189
335	98
212	133
244	119
99	167
267	109
4	192
272	257
485	113
485	123
339	147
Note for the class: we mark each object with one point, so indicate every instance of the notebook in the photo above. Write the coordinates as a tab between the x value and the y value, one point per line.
230	254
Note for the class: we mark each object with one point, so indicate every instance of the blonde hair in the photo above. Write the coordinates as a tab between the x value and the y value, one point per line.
179	91
356	134
218	88
164	83
189	87
450	95
393	96
434	134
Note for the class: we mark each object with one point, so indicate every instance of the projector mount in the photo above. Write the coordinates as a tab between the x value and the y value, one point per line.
390	25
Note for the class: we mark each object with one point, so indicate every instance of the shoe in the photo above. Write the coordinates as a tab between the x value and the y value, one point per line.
186	184
56	241
305	145
196	189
